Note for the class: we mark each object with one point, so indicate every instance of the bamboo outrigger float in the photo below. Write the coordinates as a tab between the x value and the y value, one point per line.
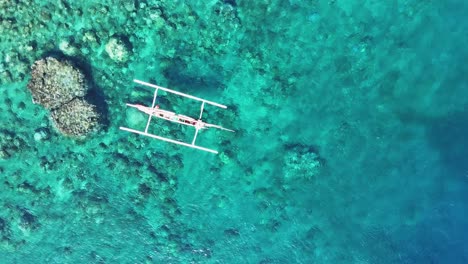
155	111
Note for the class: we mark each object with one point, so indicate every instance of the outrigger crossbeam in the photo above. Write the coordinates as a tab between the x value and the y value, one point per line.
155	111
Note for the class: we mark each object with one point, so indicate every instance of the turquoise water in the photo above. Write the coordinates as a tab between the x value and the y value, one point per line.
351	127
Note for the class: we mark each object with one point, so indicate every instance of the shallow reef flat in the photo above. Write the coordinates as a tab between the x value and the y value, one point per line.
350	142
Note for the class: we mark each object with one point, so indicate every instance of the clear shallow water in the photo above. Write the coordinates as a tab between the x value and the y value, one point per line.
376	90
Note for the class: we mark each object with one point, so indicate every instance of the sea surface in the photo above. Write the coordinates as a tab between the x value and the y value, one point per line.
350	142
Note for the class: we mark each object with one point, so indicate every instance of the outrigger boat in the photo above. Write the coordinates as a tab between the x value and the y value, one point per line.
155	111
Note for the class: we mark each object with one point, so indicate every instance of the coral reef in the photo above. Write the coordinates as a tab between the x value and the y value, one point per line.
54	83
76	118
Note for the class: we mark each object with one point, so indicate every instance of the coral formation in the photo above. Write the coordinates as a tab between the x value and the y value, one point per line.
118	49
60	87
76	118
9	144
54	83
302	162
68	48
41	134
